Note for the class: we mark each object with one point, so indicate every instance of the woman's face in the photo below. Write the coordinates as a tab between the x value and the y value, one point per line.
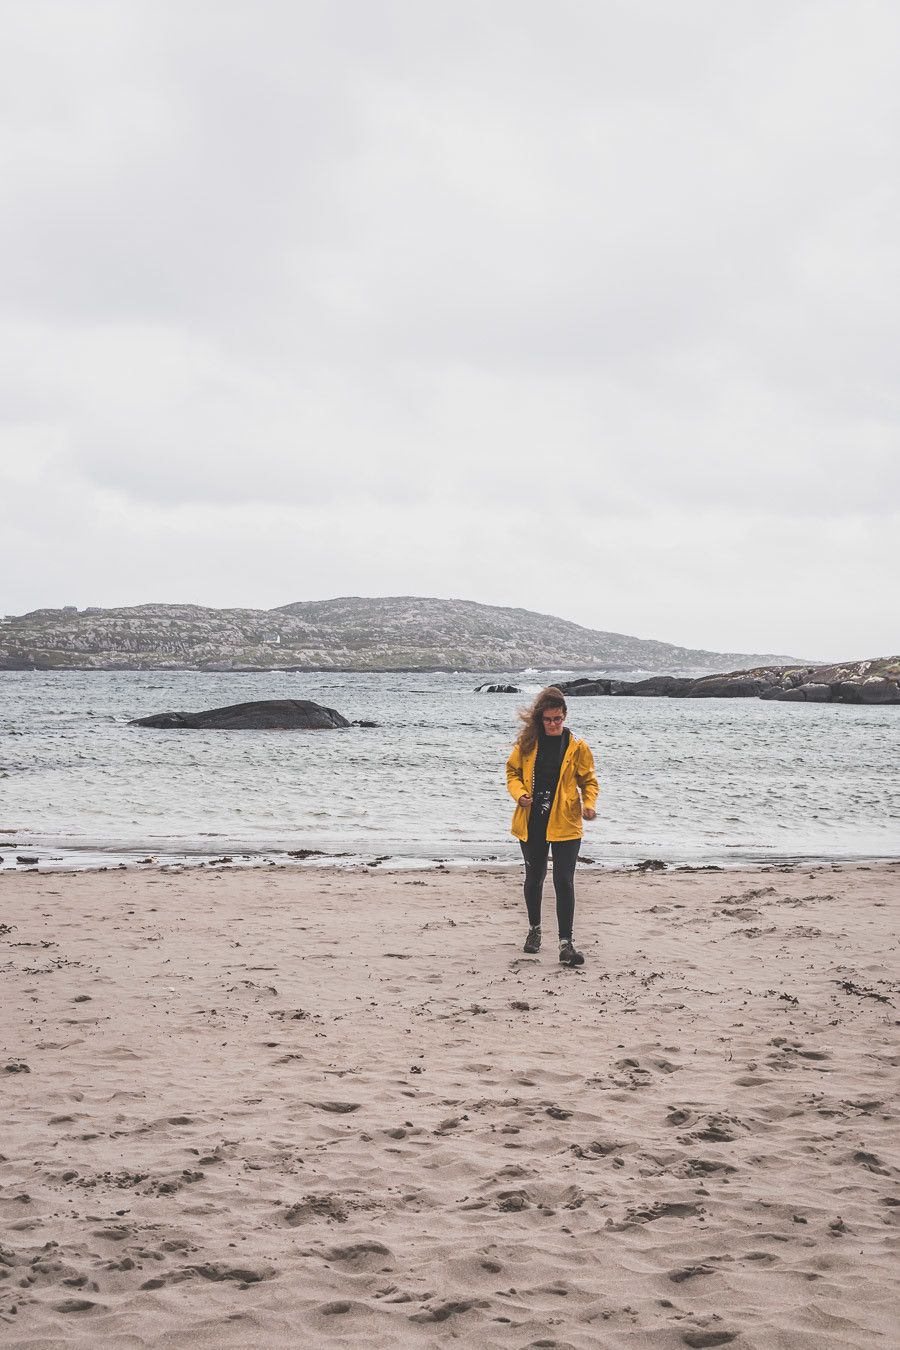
553	719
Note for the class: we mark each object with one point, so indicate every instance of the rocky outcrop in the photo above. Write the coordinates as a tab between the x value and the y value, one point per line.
655	686
276	714
498	689
586	688
871	682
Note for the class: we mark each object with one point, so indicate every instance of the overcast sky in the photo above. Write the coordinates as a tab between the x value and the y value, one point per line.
586	307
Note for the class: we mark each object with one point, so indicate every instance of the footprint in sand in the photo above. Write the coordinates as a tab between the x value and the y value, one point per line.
112	1234
360	1254
450	1123
391	1294
242	1276
512	1172
705	1167
699	1340
46	1267
678	1115
660	1209
600	1148
511	1202
871	1162
172	1184
442	1311
689	1273
313	1207
716	1130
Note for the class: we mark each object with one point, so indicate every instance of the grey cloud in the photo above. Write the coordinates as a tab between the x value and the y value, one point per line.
405	256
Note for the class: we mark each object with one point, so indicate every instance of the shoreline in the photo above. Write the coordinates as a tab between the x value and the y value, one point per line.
317	1107
144	859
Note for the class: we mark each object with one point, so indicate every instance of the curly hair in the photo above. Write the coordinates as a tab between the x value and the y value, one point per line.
551	697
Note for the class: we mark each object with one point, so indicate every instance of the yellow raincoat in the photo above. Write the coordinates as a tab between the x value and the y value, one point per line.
577	787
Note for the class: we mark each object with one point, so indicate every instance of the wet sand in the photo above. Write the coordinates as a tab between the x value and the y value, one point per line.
280	1109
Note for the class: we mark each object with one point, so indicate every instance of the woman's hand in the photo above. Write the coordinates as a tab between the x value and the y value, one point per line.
525	800
589	813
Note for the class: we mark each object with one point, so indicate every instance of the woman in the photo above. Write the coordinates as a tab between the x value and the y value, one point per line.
550	775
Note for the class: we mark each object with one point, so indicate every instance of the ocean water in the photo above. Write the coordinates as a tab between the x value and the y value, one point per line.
709	781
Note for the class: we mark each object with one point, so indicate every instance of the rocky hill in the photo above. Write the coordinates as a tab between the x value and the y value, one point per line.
351	633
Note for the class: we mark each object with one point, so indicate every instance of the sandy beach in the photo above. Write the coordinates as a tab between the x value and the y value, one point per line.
287	1108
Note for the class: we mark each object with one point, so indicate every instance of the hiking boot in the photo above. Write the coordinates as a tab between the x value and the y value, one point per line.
569	955
533	941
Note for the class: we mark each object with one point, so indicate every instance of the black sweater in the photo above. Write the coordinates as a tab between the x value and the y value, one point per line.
551	750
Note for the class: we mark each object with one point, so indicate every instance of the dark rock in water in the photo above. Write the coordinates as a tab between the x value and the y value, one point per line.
650	865
877	690
365	724
498	689
816	693
873	682
27	860
584	687
846	691
656	686
276	714
727	686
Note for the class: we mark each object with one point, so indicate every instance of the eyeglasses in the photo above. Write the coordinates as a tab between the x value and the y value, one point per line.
559	719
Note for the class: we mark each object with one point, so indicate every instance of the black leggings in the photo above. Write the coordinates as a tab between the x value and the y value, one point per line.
565	855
